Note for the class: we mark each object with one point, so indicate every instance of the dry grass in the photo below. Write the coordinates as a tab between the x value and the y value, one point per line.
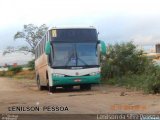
25	74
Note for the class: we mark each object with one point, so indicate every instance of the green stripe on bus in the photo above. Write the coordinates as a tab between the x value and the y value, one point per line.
76	80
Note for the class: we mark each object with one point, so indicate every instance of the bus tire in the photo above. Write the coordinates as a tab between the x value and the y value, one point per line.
38	84
85	87
89	87
52	89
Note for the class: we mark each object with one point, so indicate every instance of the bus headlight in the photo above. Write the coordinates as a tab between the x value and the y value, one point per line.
94	73
57	75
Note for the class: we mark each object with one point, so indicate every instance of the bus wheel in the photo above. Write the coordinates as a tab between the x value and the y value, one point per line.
39	85
85	87
52	89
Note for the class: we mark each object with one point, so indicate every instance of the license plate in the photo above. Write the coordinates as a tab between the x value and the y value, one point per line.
77	80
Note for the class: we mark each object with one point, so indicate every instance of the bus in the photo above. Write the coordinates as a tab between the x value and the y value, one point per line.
68	57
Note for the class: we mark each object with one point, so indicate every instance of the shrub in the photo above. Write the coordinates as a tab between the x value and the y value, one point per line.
31	64
149	83
15	69
124	58
127	66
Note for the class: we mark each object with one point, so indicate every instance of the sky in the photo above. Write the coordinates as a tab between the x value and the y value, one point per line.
116	20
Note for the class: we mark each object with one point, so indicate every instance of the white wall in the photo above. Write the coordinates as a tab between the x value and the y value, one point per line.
3	69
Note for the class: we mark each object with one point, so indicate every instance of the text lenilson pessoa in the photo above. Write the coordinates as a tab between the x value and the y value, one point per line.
37	108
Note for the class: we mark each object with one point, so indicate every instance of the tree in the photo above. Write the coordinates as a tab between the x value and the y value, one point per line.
31	34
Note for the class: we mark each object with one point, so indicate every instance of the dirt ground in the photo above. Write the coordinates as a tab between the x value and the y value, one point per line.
101	99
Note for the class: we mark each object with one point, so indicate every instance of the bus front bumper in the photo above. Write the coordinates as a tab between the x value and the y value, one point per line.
75	80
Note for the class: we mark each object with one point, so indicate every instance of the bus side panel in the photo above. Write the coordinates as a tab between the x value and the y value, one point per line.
41	68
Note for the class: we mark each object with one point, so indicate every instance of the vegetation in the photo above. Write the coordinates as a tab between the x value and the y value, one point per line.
24	74
31	65
125	65
15	69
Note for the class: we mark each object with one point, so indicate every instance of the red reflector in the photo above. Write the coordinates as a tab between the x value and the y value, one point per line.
77	80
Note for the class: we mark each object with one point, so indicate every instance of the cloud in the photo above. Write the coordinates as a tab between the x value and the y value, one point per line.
15	58
145	40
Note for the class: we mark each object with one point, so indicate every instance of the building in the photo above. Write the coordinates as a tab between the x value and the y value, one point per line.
157	48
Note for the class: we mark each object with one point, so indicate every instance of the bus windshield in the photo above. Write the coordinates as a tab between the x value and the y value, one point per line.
74	55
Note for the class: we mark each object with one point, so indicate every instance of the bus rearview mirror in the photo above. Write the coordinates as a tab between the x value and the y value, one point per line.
103	48
48	48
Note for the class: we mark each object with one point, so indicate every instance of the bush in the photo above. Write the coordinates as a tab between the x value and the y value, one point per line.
149	83
15	69
124	58
127	66
31	64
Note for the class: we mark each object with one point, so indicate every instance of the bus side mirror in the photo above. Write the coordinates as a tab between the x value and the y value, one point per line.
48	48
103	48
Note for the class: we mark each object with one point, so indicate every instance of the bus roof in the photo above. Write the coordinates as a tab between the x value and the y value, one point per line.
91	27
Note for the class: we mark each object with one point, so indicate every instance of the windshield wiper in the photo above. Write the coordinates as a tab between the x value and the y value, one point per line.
72	54
83	62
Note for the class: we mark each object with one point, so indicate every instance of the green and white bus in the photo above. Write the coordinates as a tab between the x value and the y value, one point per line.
68	57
